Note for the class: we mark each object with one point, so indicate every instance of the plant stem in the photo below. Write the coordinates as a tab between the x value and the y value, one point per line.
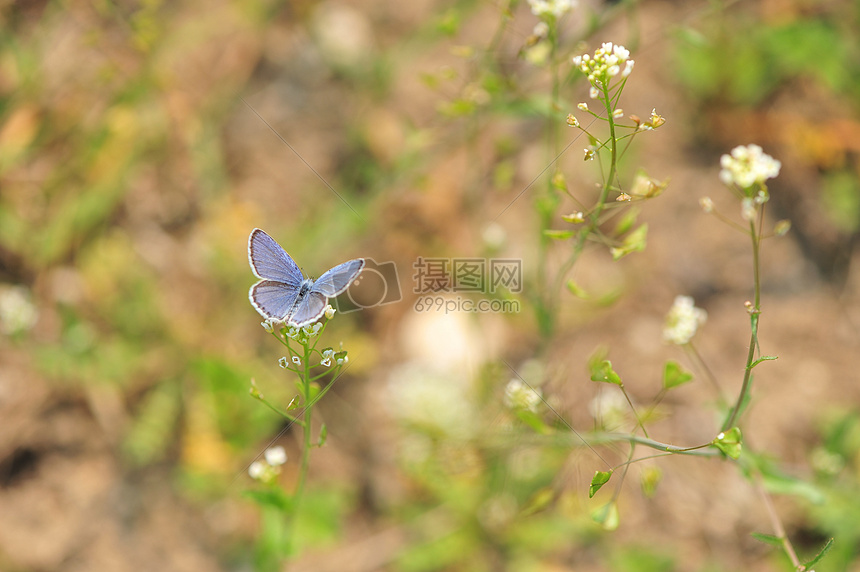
754	315
776	522
306	434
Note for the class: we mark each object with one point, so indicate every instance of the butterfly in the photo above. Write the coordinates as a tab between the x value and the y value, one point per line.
283	294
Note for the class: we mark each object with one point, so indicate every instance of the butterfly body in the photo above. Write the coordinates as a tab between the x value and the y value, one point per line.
283	294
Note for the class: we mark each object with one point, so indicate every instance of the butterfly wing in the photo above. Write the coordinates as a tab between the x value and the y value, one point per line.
273	300
271	262
338	279
309	309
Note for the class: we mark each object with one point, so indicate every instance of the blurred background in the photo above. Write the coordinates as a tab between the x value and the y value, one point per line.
141	142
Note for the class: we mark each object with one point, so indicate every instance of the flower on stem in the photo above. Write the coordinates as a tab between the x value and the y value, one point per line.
582	106
283	362
683	320
707	204
518	395
329	312
748	165
257	470
269	468
551	8
340	358
297	360
618	113
268	326
624	198
325	362
589	154
572	120
275	456
608	61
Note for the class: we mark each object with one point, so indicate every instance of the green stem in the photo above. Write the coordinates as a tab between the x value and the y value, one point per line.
306	432
754	315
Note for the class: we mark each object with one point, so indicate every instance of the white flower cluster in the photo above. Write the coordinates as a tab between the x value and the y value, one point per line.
554	8
519	395
608	61
293	331
748	165
683	320
270	467
17	312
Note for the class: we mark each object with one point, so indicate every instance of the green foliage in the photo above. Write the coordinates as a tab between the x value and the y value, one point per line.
599	479
730	442
674	375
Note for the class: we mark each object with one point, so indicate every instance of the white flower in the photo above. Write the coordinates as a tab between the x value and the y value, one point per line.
327	353
609	61
275	456
541	29
297	360
593	93
325	362
707	204
257	470
618	113
17	312
628	67
683	320
342	360
518	395
329	312
554	8
268	326
582	106
748	165
283	362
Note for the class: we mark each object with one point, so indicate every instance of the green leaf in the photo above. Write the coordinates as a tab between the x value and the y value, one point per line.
274	497
600	478
767	539
651	477
606	516
323	435
761	359
538	502
820	555
626	222
633	242
558	234
577	290
729	442
782	484
674	375
533	420
602	371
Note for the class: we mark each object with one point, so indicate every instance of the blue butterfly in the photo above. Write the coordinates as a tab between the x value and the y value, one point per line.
283	294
